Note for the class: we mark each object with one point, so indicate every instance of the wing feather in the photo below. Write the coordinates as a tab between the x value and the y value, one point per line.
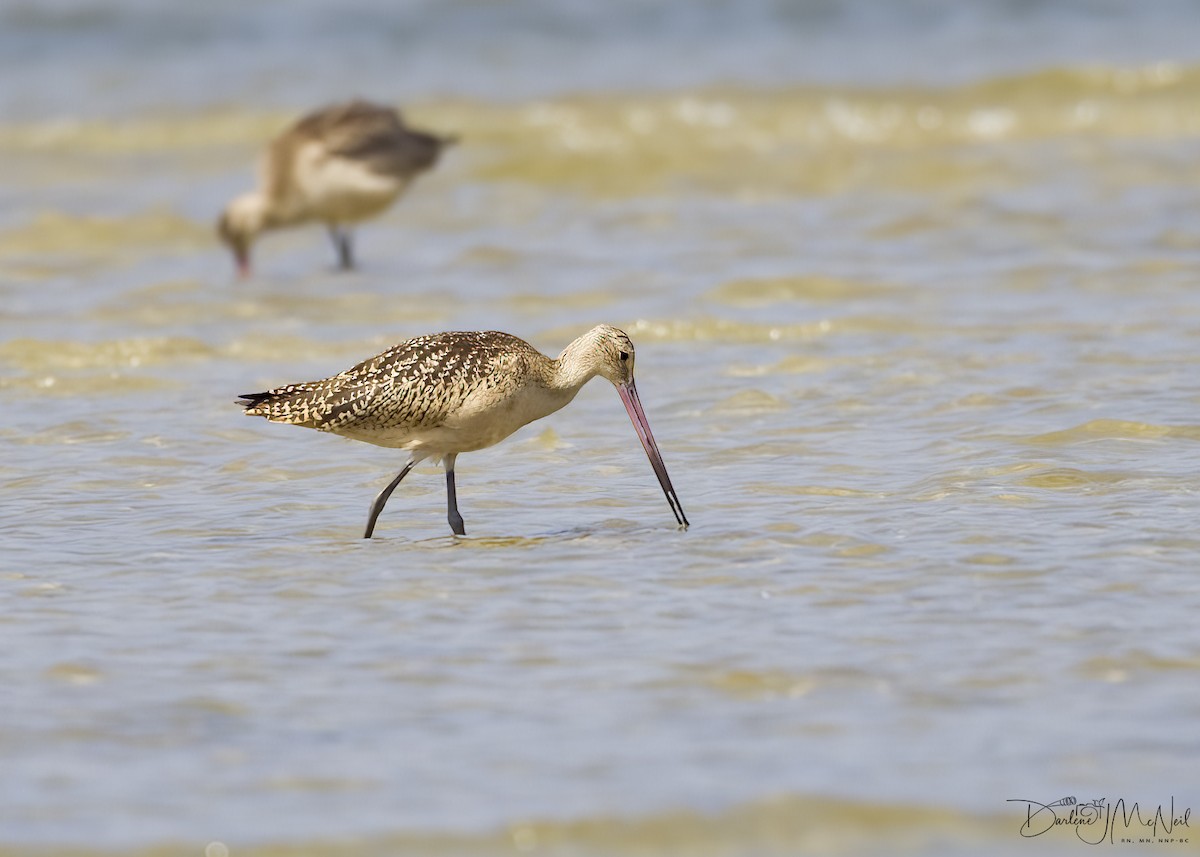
417	384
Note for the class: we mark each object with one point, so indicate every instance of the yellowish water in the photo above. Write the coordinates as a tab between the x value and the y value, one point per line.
779	141
782	826
922	362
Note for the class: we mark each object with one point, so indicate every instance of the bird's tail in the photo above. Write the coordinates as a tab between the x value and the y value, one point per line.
307	404
253	403
292	404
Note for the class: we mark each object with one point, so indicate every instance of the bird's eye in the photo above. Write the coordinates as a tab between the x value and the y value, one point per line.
624	356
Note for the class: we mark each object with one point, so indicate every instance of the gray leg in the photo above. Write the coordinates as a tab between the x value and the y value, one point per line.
382	499
455	519
342	242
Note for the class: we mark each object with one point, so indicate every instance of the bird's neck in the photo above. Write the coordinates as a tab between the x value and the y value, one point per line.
277	214
260	212
571	370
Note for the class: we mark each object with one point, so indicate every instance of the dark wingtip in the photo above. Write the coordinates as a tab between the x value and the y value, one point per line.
251	400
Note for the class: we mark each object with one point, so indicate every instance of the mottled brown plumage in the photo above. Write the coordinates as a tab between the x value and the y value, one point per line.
418	384
439	395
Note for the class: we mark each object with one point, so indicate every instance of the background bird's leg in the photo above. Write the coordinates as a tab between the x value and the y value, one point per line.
455	519
382	499
343	243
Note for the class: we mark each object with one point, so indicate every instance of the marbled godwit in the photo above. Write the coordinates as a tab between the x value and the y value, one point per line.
441	395
339	165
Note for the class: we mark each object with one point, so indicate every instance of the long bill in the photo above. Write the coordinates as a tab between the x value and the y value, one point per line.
241	258
629	397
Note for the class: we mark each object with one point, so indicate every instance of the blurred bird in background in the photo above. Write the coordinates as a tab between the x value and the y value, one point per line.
339	165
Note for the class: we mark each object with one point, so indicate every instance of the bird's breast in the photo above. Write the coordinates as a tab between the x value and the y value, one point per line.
488	416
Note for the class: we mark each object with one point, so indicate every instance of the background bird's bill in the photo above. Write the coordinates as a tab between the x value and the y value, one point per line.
633	404
241	259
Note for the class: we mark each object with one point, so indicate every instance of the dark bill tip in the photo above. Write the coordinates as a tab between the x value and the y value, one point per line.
633	405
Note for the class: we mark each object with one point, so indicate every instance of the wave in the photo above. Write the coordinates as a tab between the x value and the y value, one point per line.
1129	100
792	140
785	825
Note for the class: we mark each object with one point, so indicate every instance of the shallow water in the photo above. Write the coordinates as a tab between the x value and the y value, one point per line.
918	340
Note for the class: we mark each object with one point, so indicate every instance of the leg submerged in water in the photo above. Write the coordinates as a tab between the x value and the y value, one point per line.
343	243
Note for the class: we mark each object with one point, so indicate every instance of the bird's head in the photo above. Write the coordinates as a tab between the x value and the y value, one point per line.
612	351
610	354
239	225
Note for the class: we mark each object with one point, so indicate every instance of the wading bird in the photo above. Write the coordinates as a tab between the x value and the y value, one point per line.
339	165
441	395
